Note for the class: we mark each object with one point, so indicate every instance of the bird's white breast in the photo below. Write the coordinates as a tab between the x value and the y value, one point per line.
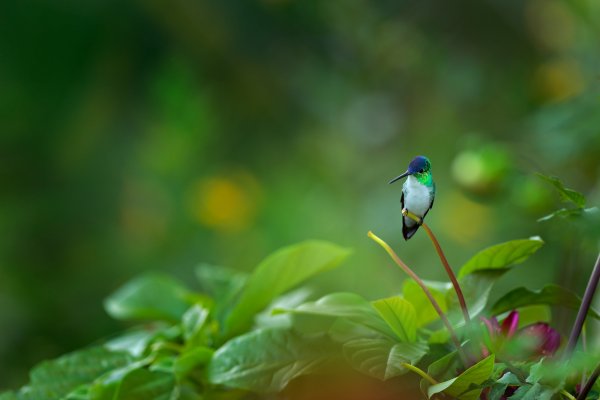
417	196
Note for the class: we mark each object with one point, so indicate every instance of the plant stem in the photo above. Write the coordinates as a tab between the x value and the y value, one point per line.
420	372
567	394
425	289
584	308
588	386
449	271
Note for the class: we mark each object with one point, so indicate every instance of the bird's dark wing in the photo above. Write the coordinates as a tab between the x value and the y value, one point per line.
407	231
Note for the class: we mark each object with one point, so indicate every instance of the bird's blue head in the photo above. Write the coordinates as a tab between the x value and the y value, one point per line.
419	165
420	168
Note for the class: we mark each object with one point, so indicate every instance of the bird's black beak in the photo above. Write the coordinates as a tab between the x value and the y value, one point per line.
399	177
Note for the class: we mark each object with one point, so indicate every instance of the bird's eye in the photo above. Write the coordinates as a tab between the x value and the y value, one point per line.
422	170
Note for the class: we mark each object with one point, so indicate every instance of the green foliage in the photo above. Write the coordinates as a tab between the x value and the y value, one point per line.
382	358
56	379
278	273
203	345
149	297
502	256
553	295
574	199
466	385
414	294
266	360
400	315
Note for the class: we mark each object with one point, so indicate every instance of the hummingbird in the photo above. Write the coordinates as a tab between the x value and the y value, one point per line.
418	193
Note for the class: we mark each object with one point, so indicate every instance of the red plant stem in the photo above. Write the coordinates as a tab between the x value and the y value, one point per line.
449	271
583	308
426	290
590	383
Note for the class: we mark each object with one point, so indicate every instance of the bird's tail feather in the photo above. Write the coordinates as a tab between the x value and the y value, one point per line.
409	231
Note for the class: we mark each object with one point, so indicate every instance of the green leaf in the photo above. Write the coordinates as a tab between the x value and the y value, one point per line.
444	366
533	392
344	305
502	255
476	288
134	342
149	297
220	282
400	315
56	378
382	358
192	359
193	323
553	295
412	292
566	195
499	387
278	273
266	360
460	387
136	384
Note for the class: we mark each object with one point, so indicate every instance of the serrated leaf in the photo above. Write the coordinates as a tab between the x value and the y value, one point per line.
57	378
149	297
400	315
502	255
278	273
553	295
460	387
566	195
266	360
382	358
412	292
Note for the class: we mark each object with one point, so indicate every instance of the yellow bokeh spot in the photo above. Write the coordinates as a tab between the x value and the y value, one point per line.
463	219
225	204
559	80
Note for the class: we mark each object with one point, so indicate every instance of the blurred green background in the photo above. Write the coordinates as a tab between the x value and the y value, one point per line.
154	135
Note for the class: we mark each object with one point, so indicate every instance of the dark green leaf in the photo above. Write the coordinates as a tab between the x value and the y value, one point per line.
444	366
502	255
56	378
191	359
149	297
460	387
533	392
136	384
400	315
553	295
566	195
266	360
382	358
278	273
